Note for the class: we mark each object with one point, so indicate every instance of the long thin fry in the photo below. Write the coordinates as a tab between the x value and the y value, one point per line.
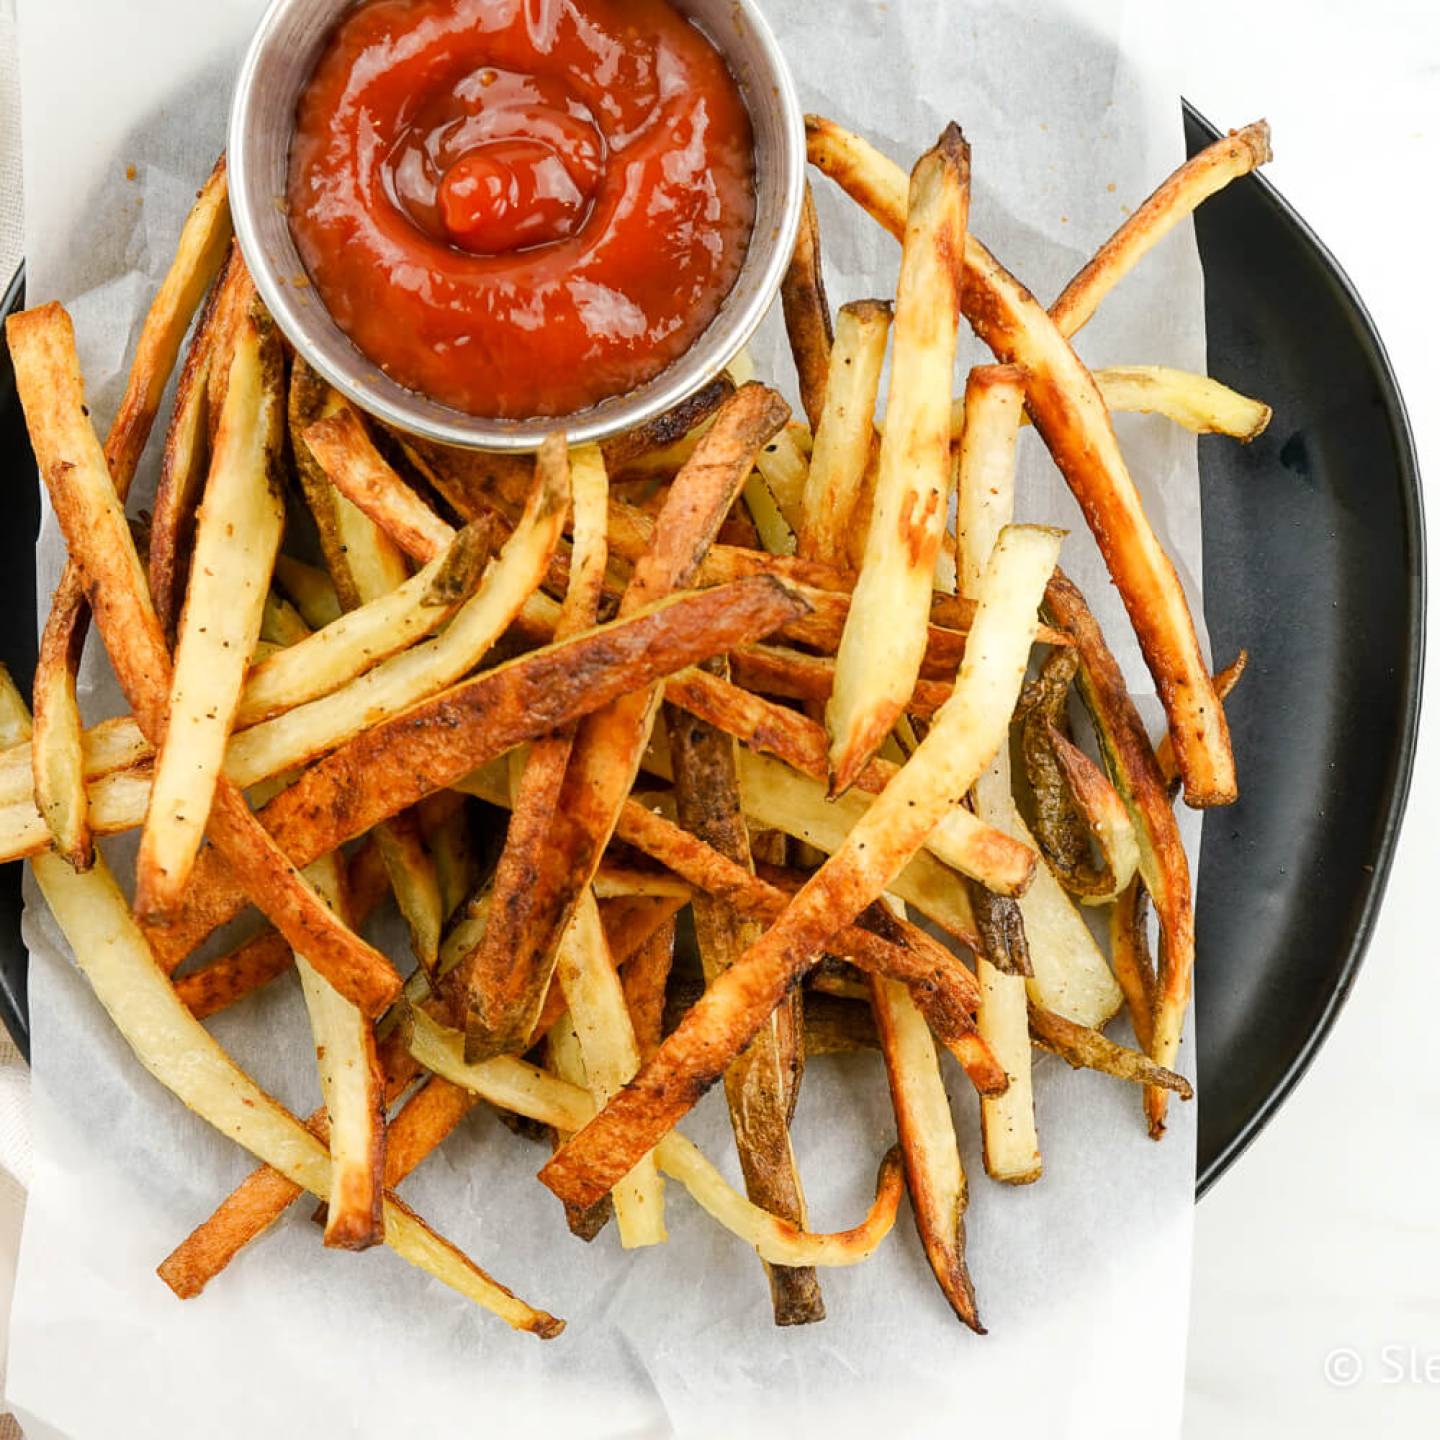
47	372
760	1082
844	432
353	1088
884	640
1068	410
807	313
514	1085
180	1053
964	738
237	537
502	984
57	750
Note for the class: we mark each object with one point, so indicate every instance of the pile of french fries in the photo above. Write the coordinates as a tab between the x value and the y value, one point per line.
733	669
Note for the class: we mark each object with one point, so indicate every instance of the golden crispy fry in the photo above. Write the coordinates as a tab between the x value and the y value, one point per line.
236	540
934	1174
760	1083
1195	181
186	457
422	671
353	1088
807	313
48	378
413	877
1125	747
1068	410
564	1060
844	432
109	746
1225	682
610	741
798	676
644	978
640	445
360	639
502	983
513	1085
1197	402
963	739
1131	960
434	744
57	749
111	953
884	641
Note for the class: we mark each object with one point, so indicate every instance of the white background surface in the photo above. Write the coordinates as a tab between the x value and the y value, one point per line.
1325	1235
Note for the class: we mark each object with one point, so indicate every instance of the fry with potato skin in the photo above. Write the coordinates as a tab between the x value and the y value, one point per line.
708	803
807	313
962	741
500	986
883	644
56	748
1126	750
644	979
237	537
609	742
1068	410
434	744
48	377
934	1173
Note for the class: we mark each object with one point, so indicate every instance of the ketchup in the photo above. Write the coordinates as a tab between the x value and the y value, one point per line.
520	207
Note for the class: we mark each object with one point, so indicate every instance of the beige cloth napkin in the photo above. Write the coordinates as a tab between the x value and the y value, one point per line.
14	1077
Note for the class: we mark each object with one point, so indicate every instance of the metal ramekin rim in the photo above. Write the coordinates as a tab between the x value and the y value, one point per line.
714	349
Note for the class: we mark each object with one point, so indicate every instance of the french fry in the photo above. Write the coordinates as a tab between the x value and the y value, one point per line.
643	980
502	982
807	313
564	1060
795	675
844	432
109	746
1001	863
1180	195
1130	760
186	457
672	428
609	743
70	460
1196	402
176	1049
435	744
237	537
513	1085
934	1173
1131	960
1069	412
415	883
360	639
884	640
783	463
1082	1048
601	1018
445	820
962	741
404	679
57	748
282	625
1225	681
353	1088
760	1082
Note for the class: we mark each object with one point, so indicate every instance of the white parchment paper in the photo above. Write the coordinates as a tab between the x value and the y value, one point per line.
1083	1277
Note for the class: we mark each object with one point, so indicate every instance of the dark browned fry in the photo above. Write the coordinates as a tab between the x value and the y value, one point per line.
433	744
667	429
807	314
644	979
707	795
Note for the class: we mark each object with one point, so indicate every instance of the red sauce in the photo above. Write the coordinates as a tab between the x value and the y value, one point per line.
520	207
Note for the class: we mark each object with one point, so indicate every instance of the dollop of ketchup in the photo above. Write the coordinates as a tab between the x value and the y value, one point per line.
521	207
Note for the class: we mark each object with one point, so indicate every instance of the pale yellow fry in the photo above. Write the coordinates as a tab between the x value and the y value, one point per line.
514	1085
183	1056
404	679
237	536
607	1045
847	429
784	464
110	745
353	1090
311	590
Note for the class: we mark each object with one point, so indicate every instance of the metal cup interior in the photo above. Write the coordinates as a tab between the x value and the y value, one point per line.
279	62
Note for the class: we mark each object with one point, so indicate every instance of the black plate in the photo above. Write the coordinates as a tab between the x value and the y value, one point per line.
1314	560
